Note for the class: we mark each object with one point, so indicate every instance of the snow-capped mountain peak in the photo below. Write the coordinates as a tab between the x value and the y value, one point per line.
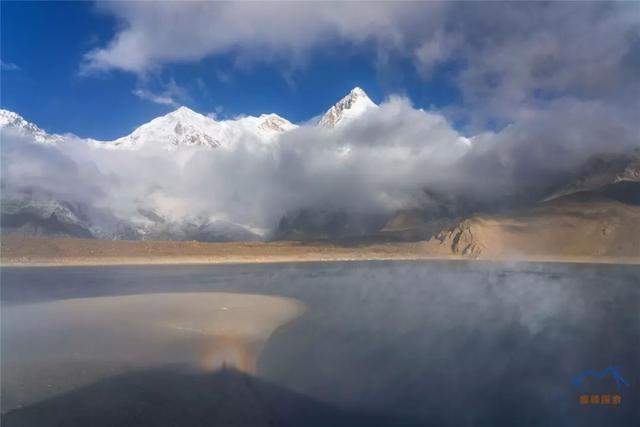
273	122
185	113
358	92
15	122
185	127
353	105
180	127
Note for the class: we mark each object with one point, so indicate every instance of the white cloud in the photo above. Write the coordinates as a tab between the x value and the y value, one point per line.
170	94
510	57
436	50
223	76
375	165
8	66
155	98
157	33
219	109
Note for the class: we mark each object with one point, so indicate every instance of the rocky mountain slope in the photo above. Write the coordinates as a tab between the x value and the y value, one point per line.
584	225
602	171
596	213
39	217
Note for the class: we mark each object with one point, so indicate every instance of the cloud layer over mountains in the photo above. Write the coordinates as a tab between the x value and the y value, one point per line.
374	164
377	163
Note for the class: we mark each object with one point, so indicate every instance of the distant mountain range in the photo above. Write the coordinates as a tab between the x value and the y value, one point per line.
610	177
33	213
185	127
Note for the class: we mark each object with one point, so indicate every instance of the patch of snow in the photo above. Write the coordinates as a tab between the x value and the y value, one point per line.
15	122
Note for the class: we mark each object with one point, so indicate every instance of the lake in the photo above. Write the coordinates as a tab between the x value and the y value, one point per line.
443	343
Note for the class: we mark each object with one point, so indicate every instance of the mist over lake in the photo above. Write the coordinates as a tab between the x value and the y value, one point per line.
417	343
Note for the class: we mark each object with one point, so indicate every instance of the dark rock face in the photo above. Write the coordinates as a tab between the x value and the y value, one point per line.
31	216
625	192
603	174
200	230
34	225
318	224
44	217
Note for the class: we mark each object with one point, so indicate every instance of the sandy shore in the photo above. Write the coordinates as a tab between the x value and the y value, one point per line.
19	251
42	251
112	335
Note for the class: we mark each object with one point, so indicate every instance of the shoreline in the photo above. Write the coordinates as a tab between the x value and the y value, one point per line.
24	252
167	261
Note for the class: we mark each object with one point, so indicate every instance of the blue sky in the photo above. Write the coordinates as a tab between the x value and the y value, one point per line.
47	41
101	69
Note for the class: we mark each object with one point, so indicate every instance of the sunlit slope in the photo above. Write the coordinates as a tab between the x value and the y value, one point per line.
578	226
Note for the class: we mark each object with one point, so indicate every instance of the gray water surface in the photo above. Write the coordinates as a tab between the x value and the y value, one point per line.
425	343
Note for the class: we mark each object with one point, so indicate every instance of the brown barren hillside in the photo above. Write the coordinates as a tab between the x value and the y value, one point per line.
568	227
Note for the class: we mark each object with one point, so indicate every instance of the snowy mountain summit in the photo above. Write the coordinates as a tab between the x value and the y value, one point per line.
185	127
15	122
182	127
356	103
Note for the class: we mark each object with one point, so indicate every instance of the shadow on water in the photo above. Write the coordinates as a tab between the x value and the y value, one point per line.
171	397
433	343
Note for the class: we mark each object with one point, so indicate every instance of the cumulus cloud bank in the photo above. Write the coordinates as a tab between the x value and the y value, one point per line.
164	32
375	165
511	57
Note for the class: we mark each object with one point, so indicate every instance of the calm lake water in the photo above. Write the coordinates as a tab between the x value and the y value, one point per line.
393	343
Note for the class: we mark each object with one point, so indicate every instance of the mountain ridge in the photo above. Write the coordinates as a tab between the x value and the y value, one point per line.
186	127
12	120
